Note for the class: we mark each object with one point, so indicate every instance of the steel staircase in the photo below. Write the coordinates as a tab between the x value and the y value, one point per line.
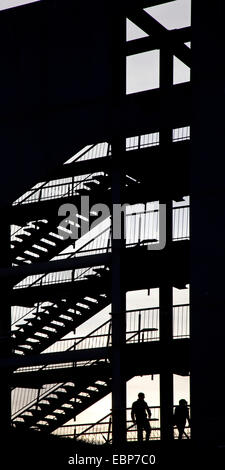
58	319
40	240
73	304
66	400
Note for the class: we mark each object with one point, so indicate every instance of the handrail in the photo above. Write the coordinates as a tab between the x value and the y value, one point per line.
81	250
91	334
88	363
107	420
46	308
32	191
71	255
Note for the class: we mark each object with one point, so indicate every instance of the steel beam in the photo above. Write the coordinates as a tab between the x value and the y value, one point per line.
208	228
150	26
140	4
178	360
151	43
166	289
118	241
55	266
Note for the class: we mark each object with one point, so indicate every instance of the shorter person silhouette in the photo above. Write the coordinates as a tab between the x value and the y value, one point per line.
140	415
181	416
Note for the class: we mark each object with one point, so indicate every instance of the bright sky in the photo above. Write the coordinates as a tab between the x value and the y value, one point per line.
142	73
5	4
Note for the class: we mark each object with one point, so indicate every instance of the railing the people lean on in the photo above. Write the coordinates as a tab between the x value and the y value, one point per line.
101	431
142	326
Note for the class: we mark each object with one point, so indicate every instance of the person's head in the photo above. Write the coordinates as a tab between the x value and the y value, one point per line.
141	396
182	402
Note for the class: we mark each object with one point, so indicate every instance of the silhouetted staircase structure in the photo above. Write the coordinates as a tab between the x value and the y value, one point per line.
87	383
59	319
41	241
65	401
70	304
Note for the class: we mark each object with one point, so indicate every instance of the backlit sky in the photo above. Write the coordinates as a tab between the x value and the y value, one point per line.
142	73
4	4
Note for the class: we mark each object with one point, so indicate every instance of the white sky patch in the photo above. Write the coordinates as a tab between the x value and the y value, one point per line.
134	32
6	4
181	72
172	15
143	71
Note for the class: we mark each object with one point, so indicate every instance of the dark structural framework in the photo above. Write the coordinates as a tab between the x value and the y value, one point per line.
70	134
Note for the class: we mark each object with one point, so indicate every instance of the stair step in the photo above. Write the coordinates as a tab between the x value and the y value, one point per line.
24	236
100	270
22	262
67	322
90	303
101	178
17	242
61	394
50	420
69	388
23	349
31	343
59	311
46	244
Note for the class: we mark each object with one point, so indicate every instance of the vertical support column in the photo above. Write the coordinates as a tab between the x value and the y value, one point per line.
166	337
166	289
118	319
207	228
5	326
118	292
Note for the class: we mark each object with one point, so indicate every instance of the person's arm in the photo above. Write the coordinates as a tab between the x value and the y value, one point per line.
188	417
133	415
148	411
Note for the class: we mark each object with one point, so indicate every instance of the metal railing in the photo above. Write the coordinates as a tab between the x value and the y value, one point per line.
66	187
101	431
56	189
142	141
142	326
181	133
142	228
91	152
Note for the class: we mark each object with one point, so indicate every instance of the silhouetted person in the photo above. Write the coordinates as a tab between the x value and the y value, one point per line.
140	417
181	416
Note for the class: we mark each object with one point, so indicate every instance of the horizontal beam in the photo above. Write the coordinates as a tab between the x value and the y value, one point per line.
178	353
54	358
151	26
55	266
129	161
151	110
174	180
73	373
139	4
171	263
154	42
